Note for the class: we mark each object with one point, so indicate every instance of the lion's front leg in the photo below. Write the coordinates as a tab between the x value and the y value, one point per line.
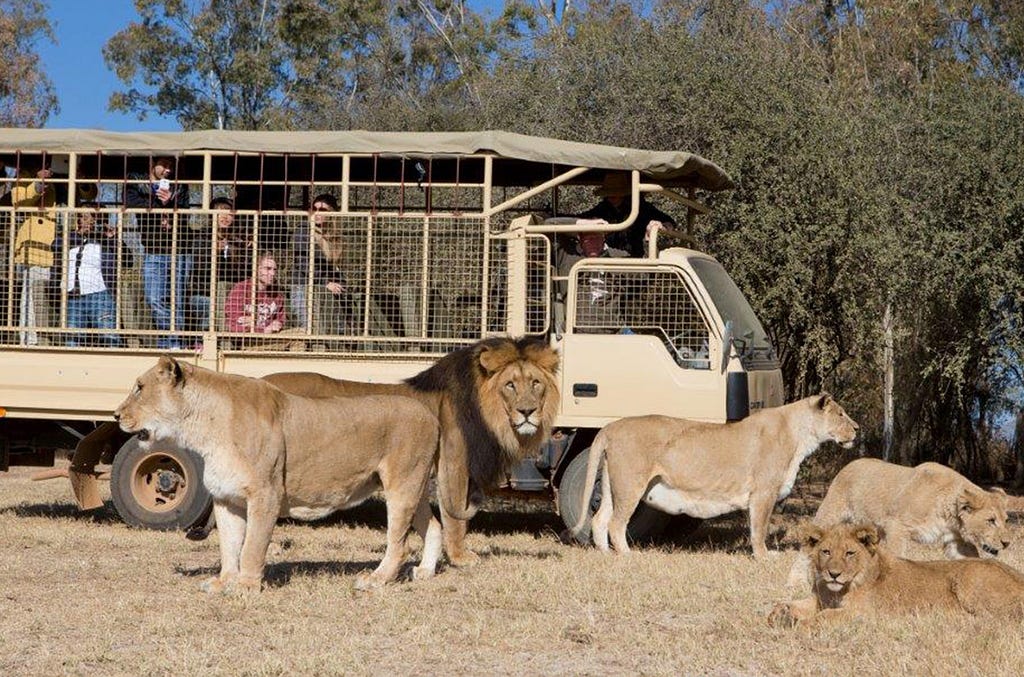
788	614
760	514
455	541
429	529
231	534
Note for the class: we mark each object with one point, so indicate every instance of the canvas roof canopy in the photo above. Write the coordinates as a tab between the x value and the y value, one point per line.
669	168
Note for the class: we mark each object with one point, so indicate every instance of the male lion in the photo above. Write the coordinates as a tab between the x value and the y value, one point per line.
268	453
496	401
929	503
706	469
854	576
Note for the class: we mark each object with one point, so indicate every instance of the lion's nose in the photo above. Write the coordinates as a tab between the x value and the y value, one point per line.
527	413
834	575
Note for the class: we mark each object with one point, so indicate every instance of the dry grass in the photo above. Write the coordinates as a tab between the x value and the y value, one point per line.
85	595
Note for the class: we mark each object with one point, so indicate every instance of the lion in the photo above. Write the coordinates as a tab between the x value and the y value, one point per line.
268	453
855	576
706	469
496	400
928	504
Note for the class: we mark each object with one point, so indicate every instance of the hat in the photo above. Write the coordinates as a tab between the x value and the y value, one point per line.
86	192
615	183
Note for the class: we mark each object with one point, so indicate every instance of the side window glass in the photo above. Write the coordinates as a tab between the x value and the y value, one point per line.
655	303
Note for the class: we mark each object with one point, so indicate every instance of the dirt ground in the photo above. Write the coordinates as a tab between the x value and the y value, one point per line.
82	594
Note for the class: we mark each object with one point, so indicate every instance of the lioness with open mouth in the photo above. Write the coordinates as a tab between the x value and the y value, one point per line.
268	454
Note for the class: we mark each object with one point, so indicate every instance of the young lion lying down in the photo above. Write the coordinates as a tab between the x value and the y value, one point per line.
268	454
706	469
928	503
854	576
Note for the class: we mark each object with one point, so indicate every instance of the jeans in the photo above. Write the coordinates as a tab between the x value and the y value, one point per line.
156	286
93	311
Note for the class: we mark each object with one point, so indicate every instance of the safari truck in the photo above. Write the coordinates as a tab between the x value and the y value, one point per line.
388	250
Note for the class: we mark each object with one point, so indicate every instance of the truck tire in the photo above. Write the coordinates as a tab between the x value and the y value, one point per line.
159	488
645	524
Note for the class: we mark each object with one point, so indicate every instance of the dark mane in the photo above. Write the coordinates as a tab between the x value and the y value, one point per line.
457	373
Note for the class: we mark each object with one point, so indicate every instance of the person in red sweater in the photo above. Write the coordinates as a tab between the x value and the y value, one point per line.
257	307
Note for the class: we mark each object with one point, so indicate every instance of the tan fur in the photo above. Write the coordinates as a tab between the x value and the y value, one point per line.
854	576
713	468
496	401
268	453
928	504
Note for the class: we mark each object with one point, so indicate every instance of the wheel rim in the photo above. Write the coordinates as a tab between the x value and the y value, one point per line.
159	482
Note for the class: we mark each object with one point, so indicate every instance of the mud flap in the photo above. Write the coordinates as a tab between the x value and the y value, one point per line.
85	481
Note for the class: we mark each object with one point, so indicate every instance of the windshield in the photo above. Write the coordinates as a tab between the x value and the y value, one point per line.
732	305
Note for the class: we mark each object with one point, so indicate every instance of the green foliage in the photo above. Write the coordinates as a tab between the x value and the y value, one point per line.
26	93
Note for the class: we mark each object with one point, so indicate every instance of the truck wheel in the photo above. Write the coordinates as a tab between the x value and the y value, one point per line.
160	487
645	524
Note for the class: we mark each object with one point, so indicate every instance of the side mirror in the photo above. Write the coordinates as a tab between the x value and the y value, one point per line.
727	338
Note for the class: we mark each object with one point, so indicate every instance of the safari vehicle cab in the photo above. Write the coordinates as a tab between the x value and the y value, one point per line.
437	240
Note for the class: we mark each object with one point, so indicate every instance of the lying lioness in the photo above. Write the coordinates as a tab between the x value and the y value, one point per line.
928	504
853	576
268	453
706	469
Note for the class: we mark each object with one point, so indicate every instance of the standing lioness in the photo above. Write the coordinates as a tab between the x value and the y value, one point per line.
268	454
706	469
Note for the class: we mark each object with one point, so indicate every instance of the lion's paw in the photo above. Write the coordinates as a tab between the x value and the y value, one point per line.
212	585
781	616
422	573
365	582
464	558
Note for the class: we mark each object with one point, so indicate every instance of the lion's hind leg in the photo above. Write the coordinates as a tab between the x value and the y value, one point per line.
599	522
401	510
429	529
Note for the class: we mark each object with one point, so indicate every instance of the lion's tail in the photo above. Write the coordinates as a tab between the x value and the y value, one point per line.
598	459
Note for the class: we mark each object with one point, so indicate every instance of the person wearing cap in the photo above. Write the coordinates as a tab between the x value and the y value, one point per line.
614	207
33	246
230	240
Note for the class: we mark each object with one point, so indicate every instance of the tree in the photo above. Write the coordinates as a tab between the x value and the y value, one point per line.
26	94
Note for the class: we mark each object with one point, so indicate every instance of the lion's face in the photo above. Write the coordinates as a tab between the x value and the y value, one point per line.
154	404
844	556
834	423
519	393
982	517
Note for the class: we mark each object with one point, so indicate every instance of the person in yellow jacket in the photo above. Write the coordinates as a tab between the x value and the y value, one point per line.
33	252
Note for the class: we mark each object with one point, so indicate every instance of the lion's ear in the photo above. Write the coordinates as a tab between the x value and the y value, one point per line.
169	370
868	536
823	399
495	358
544	356
810	536
967	502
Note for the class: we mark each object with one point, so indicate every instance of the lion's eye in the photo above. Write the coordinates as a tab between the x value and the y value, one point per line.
992	521
850	553
535	384
826	553
138	388
510	386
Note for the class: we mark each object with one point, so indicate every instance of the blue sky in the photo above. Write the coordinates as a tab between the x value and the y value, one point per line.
76	67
